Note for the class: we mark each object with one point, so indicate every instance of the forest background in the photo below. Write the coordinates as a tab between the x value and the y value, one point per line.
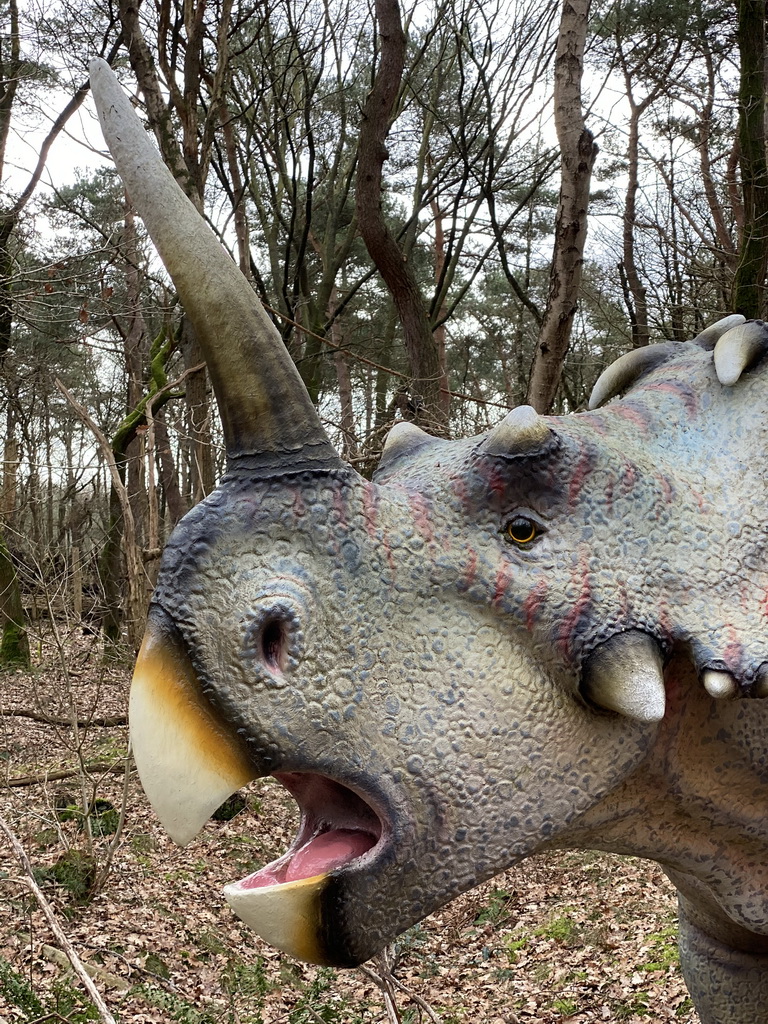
412	262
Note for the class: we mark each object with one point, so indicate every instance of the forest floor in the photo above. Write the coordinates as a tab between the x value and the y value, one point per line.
567	937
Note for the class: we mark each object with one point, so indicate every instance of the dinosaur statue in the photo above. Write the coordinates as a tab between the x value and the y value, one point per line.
548	636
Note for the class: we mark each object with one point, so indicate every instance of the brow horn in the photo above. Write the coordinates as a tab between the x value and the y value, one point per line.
265	410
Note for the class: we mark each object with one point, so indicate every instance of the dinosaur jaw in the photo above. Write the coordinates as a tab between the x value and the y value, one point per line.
189	763
283	902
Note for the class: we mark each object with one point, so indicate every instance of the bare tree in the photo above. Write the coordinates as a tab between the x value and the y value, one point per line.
426	406
578	154
749	285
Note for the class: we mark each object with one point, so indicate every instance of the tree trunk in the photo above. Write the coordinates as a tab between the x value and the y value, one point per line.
199	416
578	152
348	438
135	350
639	307
169	477
14	646
749	285
440	330
425	405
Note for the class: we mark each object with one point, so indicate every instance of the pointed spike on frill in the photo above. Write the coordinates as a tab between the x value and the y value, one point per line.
521	433
739	349
712	334
628	369
720	685
625	675
761	682
404	437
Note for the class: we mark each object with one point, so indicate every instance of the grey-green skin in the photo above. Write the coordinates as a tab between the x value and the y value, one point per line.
392	638
435	668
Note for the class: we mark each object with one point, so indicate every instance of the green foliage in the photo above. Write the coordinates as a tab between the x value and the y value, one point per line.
665	948
230	808
248	985
156	965
102	815
66	1003
513	945
318	1004
175	1006
69	1004
74	871
498	909
636	1006
17	992
562	929
567	1007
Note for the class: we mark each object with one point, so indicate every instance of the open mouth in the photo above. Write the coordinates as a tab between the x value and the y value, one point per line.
338	828
293	902
189	763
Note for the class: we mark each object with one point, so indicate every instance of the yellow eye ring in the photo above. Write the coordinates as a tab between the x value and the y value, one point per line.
522	531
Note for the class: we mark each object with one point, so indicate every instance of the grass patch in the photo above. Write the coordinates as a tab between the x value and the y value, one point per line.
664	946
561	929
566	1007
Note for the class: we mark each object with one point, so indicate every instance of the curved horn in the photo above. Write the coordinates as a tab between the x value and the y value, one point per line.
627	369
709	337
264	406
739	349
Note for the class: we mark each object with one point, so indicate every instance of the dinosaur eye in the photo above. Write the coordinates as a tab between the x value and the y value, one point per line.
522	531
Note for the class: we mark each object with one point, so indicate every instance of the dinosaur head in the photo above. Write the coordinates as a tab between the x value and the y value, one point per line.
449	666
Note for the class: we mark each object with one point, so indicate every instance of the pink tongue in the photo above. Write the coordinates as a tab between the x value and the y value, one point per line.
317	857
328	851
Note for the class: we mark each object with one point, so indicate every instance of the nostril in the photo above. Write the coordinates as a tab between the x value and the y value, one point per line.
273	638
273	644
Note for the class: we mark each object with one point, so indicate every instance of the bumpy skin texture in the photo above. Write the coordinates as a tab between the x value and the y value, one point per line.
461	663
433	667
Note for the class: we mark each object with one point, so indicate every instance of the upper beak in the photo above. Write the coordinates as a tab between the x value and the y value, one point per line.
188	762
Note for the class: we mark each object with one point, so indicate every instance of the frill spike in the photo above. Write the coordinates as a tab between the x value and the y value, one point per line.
739	349
624	674
712	334
628	369
521	433
720	685
404	437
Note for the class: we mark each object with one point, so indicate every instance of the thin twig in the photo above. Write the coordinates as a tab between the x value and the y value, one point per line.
384	982
63	773
55	927
422	1003
106	866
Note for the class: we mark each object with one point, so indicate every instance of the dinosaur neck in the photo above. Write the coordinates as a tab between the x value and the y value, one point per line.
691	805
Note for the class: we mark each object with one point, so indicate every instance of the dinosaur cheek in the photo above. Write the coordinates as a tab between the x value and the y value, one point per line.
187	761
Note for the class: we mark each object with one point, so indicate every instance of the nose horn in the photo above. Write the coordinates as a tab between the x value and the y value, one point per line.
265	409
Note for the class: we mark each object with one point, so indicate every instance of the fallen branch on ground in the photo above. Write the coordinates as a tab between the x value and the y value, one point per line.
64	773
107	721
61	938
